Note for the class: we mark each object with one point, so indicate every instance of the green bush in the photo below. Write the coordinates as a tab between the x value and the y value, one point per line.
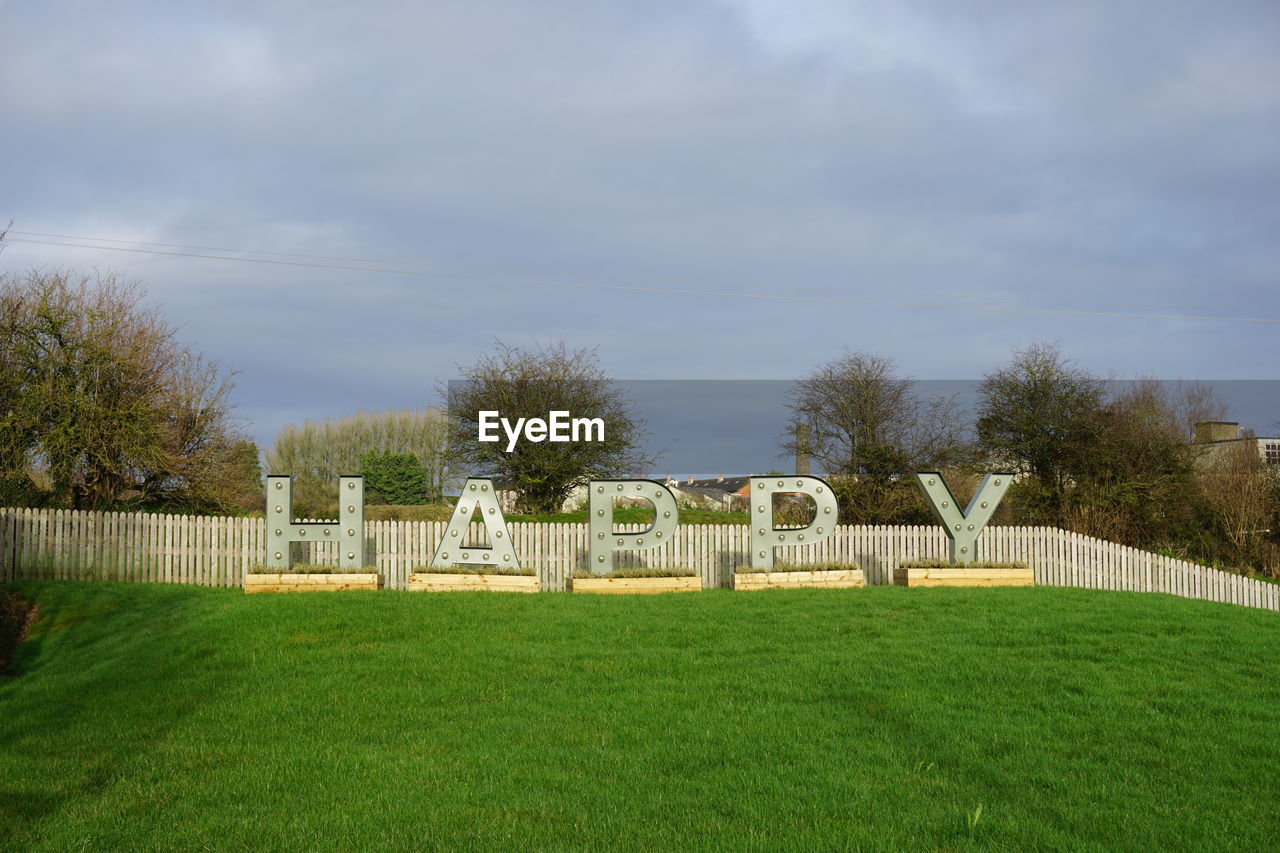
396	478
17	489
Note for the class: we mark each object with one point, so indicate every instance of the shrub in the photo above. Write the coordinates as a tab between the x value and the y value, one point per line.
420	512
398	478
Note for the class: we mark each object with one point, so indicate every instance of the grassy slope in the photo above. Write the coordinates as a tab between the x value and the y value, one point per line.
879	718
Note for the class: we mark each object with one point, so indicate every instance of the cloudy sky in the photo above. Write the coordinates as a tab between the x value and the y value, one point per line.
715	189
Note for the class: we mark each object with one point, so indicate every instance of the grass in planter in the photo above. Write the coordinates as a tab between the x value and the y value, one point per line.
947	564
803	567
475	570
311	569
583	574
174	717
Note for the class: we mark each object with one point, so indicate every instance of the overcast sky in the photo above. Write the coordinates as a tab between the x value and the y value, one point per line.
735	188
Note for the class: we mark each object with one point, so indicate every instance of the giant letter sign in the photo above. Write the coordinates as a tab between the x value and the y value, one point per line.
605	542
453	549
765	536
348	531
963	529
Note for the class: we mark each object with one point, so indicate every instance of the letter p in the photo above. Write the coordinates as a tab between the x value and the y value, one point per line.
765	536
605	542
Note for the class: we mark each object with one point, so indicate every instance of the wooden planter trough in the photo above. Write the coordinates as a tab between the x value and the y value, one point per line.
291	582
953	576
798	579
635	586
438	582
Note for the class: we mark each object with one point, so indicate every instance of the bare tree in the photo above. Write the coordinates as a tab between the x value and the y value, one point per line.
1196	402
1133	480
865	420
203	458
868	430
1243	493
1037	413
521	383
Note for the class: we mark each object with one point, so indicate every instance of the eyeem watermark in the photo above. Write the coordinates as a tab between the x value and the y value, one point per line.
556	427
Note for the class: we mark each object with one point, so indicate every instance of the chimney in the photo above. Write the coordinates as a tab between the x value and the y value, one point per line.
719	478
1207	432
690	483
802	450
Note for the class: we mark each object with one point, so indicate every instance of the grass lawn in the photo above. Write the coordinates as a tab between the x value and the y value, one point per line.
148	716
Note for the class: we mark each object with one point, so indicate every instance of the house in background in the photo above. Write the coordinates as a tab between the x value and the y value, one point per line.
733	494
508	497
726	494
1217	437
719	493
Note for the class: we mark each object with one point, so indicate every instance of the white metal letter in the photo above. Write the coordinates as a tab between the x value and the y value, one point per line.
963	529
605	542
765	536
347	531
455	550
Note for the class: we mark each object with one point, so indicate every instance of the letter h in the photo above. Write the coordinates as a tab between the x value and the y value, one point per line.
348	531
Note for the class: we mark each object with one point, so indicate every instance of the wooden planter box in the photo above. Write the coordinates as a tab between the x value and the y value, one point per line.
310	582
636	586
436	582
796	580
963	577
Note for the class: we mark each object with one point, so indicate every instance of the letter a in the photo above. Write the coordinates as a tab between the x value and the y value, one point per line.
453	550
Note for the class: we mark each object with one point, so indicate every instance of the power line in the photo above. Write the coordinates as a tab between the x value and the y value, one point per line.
134	247
508	273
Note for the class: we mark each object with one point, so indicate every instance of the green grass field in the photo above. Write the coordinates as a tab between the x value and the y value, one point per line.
162	717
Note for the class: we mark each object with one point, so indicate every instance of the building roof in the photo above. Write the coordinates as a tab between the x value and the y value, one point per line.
727	484
720	495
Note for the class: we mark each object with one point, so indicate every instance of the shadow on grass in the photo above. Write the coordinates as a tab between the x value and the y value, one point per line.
73	721
16	614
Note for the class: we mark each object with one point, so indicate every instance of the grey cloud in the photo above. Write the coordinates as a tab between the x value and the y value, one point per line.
1088	155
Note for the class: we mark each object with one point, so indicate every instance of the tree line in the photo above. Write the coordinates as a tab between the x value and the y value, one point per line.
102	408
1116	460
401	454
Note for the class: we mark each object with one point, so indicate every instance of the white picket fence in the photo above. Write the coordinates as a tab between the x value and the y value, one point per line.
214	551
